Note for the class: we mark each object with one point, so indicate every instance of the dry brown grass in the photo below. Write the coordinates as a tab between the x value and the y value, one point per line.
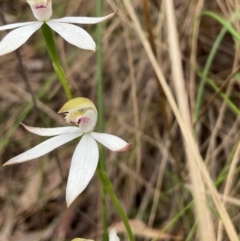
170	185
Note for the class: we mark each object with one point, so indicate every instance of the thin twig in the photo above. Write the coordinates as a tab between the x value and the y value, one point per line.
24	75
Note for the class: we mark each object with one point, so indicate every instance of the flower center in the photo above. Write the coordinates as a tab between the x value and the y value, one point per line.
83	119
82	112
37	7
74	117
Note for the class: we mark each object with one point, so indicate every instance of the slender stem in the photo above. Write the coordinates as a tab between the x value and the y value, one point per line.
109	189
24	75
52	51
99	70
104	206
226	24
101	115
173	221
226	27
219	91
205	73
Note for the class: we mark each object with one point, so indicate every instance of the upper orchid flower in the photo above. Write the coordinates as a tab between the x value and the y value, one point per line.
42	11
82	112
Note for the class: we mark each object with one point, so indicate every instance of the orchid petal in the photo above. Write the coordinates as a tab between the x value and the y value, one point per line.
14	25
83	166
113	235
114	143
84	20
73	34
88	121
43	148
52	131
18	37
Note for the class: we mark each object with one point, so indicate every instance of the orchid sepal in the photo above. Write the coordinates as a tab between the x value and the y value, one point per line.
83	166
51	131
113	143
43	148
85	20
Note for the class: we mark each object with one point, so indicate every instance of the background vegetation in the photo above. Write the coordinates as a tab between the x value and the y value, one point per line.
180	178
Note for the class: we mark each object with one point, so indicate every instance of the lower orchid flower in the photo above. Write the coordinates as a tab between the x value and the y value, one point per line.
83	113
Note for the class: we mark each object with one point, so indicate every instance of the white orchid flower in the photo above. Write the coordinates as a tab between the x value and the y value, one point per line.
82	112
42	11
112	236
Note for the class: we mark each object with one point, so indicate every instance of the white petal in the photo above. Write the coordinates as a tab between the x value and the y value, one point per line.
84	20
18	37
113	235
52	131
43	148
83	166
15	25
73	34
114	143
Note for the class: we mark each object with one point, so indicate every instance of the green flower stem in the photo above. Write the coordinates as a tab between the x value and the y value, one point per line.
109	189
104	203
101	115
99	71
52	51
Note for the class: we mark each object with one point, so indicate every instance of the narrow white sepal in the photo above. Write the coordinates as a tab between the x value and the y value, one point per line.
83	166
43	148
114	143
52	131
73	34
84	20
15	25
113	235
18	37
